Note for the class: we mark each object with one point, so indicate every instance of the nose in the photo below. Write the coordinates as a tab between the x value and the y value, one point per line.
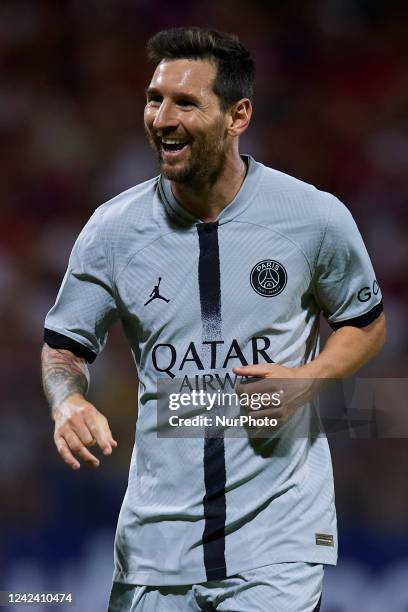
165	116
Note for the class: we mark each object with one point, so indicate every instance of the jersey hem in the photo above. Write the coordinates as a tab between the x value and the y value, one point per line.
155	578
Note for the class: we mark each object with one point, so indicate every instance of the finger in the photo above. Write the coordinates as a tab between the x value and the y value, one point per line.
253	383
271	387
65	453
82	431
99	427
272	413
269	391
78	448
260	369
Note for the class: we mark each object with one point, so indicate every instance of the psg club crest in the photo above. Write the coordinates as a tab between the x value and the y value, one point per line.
268	278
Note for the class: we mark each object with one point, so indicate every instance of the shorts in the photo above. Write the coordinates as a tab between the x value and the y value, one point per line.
281	587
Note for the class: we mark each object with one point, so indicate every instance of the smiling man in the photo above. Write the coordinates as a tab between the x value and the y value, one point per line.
193	131
219	265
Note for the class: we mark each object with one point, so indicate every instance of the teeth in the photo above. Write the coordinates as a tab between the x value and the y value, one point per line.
172	141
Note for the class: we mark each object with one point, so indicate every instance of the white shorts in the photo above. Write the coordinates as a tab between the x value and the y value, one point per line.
281	587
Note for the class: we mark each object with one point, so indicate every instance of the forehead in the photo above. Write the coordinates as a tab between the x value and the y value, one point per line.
184	75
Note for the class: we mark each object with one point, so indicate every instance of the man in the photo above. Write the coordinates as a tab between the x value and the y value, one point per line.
218	264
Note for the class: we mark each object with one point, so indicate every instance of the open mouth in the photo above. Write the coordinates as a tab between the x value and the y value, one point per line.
173	146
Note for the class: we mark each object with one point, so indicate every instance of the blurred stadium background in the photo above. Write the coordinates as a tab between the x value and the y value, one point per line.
331	108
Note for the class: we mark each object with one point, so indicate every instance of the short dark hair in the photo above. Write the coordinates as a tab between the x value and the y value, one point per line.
235	67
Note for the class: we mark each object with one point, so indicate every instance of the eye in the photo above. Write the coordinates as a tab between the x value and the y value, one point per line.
185	102
154	99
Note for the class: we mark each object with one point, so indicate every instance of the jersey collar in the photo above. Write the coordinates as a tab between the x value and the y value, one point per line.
241	201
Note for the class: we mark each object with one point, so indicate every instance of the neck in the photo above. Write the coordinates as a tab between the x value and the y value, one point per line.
206	201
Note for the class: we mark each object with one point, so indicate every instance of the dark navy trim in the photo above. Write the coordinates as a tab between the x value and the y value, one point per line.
362	320
209	279
59	341
215	508
215	478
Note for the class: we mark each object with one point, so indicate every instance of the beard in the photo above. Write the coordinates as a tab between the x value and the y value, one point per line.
205	161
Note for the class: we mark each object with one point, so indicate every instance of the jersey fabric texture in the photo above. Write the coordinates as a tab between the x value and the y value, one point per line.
198	298
283	587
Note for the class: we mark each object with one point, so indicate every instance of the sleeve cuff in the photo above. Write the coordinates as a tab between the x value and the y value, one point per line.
59	341
362	320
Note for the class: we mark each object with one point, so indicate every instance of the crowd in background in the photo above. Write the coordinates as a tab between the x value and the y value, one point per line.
330	108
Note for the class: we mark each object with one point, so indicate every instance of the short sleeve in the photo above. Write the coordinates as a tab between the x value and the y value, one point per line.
345	286
85	307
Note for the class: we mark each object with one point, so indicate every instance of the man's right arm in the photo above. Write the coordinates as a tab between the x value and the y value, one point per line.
78	424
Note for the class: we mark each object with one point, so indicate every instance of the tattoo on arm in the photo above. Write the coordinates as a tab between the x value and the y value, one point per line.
63	374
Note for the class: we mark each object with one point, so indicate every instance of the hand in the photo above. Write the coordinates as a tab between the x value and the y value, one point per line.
288	386
78	425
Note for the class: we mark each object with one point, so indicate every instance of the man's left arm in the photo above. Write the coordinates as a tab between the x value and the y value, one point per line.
348	294
345	352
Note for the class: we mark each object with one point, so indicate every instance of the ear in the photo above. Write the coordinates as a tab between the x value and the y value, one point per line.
239	117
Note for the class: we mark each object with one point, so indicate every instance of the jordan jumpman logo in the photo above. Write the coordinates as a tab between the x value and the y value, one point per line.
156	294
